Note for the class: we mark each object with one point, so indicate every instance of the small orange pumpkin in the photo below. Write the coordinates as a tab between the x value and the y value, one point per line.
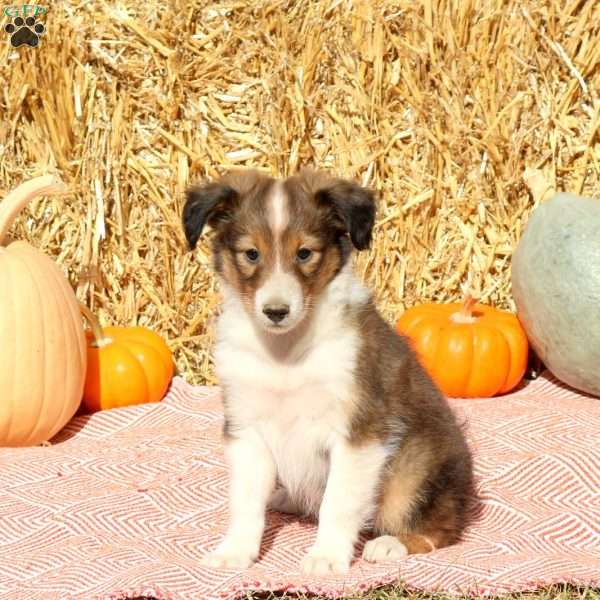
126	366
470	350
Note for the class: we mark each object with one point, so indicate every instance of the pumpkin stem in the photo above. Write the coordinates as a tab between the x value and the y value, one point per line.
466	310
97	331
465	314
14	202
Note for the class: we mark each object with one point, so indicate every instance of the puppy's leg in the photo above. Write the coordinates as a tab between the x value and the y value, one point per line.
348	502
252	479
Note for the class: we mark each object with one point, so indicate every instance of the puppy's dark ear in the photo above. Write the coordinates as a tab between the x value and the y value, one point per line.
206	204
353	207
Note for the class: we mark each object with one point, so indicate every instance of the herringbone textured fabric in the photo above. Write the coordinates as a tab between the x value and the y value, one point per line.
127	501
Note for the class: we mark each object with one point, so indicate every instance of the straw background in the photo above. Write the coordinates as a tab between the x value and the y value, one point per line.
439	105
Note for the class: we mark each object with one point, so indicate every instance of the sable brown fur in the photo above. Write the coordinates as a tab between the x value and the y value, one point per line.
428	482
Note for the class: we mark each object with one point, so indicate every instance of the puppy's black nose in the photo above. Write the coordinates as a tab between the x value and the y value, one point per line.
276	312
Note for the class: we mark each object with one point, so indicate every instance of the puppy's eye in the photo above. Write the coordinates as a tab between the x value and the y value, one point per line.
304	254
252	255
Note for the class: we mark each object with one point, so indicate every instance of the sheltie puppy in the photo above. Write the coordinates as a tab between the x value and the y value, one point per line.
328	412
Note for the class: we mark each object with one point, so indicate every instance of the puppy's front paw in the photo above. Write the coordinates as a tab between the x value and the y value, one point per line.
384	548
231	554
322	561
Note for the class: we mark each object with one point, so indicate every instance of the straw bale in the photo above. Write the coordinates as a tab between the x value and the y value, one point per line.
440	105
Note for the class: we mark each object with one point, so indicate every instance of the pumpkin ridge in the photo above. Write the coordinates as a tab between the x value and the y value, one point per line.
11	412
487	335
66	301
510	359
43	305
473	360
47	270
436	351
135	358
513	352
52	283
150	351
451	351
45	311
414	322
423	356
124	350
138	341
125	347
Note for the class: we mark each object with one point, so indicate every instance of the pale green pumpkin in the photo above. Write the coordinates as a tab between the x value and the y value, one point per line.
556	288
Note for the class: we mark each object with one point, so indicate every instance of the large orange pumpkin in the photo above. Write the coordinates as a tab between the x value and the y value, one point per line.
126	366
42	341
470	350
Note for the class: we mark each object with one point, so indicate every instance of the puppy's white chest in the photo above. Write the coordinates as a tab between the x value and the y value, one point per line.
299	412
315	383
299	408
300	447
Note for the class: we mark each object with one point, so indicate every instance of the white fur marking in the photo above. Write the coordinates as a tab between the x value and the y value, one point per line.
278	213
280	287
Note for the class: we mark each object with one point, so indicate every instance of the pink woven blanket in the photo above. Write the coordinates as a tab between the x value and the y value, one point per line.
127	501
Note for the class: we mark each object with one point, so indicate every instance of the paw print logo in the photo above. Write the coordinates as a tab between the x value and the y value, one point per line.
24	31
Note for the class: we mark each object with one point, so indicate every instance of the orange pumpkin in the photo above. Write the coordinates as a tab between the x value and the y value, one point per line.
42	342
470	350
126	366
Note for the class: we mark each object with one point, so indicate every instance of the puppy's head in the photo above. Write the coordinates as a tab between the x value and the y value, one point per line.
278	244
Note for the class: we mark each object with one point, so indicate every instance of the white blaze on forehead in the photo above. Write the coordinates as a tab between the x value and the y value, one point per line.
278	209
279	287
